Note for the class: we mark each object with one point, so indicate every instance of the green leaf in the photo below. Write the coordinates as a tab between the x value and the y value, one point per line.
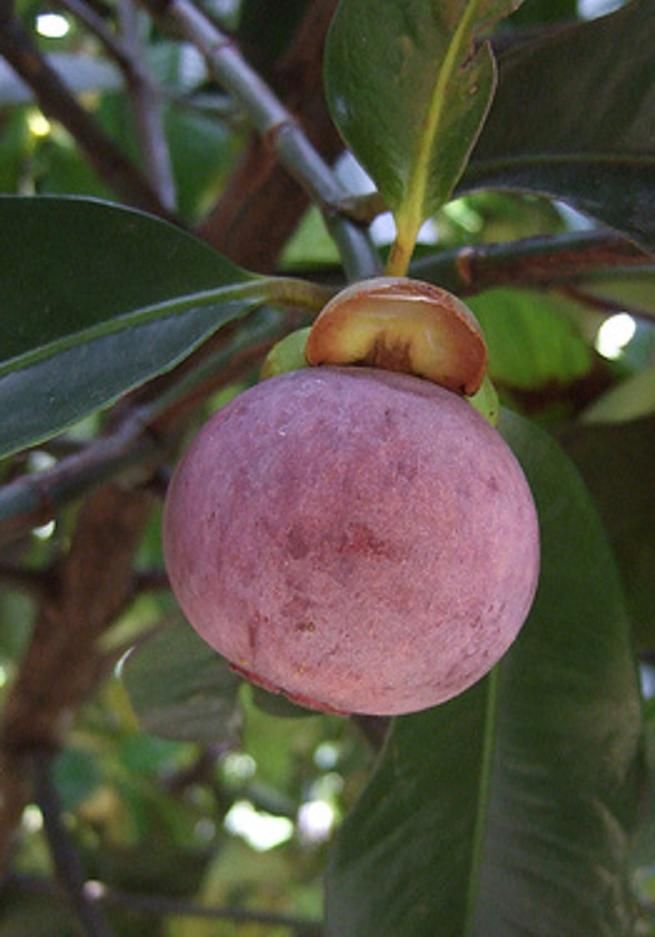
545	11
531	338
635	289
627	400
181	688
43	399
275	704
617	462
96	299
572	119
507	811
77	775
409	92
73	270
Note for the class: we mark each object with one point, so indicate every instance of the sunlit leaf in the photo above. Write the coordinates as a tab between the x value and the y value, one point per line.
627	400
530	337
633	290
507	811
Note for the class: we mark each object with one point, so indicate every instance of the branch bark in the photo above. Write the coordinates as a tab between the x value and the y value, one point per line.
260	186
538	261
62	665
148	109
64	857
163	906
62	662
279	130
57	102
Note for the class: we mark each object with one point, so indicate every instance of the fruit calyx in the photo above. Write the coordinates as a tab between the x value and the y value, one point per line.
399	324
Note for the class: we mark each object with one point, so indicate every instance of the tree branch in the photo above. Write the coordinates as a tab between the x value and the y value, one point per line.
261	188
539	261
279	129
57	102
64	856
96	25
99	893
135	441
62	661
62	654
148	109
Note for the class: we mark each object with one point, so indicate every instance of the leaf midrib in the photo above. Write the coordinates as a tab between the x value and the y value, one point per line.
484	792
418	180
251	290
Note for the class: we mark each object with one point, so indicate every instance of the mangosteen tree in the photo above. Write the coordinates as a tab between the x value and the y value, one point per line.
326	492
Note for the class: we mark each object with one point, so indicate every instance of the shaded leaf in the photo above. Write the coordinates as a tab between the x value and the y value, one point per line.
627	400
76	774
275	704
573	119
409	93
182	689
545	11
507	810
617	462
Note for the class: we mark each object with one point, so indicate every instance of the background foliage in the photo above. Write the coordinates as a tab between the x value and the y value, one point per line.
163	221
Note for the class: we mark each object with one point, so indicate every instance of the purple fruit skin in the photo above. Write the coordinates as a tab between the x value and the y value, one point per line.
360	540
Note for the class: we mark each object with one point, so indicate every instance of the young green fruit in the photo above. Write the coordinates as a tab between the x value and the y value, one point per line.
358	539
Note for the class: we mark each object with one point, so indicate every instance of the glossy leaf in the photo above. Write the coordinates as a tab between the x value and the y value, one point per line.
617	462
530	337
98	269
507	811
409	93
45	398
572	119
96	299
182	689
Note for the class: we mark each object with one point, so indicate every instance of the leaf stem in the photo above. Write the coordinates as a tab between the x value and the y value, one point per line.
286	291
64	856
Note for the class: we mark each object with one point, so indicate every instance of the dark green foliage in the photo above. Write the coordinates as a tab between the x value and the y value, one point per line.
524	807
